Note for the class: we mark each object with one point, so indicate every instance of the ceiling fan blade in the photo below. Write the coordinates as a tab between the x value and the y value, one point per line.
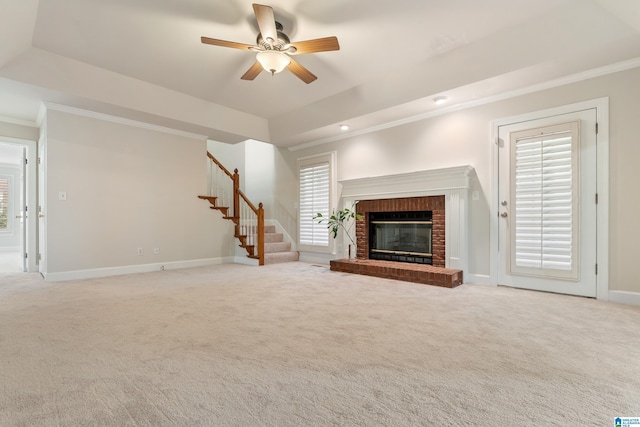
252	72
224	43
301	72
266	22
316	45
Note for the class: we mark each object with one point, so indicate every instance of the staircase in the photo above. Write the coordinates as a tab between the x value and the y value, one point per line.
261	241
275	248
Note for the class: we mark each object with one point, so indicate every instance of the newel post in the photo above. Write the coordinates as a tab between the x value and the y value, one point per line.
236	193
260	234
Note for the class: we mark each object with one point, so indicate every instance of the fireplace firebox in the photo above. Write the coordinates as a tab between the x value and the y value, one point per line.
401	236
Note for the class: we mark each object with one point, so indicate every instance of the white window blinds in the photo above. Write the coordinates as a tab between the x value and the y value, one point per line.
4	204
315	183
544	195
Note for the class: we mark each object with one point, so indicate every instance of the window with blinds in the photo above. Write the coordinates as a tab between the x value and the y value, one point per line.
315	178
4	203
544	201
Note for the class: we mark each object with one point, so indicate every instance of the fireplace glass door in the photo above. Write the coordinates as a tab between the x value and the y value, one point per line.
401	236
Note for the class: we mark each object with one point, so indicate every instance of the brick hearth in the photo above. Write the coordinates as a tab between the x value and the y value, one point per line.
417	273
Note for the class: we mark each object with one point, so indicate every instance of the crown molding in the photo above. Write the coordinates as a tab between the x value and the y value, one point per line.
21	122
562	81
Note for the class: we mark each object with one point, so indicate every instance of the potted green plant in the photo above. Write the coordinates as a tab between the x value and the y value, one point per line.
336	221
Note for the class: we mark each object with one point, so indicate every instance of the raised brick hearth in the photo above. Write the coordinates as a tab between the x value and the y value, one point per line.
417	273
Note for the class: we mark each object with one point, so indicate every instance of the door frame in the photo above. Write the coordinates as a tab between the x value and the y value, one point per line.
601	106
30	244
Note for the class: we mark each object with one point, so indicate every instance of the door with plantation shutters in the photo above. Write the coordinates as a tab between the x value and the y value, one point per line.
547	196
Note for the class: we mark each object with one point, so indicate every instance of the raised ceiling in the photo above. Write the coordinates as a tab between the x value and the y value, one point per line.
143	60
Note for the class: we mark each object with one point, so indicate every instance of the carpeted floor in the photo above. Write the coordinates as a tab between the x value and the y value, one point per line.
296	344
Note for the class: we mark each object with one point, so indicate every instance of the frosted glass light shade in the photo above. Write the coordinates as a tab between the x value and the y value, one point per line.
273	61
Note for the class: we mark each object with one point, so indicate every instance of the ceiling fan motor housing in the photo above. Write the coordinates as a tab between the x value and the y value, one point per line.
282	42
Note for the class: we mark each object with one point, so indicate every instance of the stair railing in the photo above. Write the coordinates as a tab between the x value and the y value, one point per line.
251	225
222	184
224	188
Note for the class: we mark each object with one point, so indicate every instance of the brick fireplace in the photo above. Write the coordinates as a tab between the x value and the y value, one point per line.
434	204
444	192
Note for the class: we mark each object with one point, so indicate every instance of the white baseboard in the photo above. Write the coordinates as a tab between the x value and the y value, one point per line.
316	258
625	297
132	269
476	279
245	260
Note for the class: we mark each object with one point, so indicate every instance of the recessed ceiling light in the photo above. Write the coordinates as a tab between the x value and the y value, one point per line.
344	127
439	100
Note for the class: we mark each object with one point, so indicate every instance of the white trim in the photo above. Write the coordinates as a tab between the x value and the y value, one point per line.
562	81
316	257
244	260
21	122
602	209
425	183
18	141
602	117
132	269
120	120
624	297
476	279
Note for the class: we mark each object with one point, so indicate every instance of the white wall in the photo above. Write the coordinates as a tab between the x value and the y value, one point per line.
18	131
463	138
230	155
126	188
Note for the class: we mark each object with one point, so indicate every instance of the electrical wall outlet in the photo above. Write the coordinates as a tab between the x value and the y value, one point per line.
140	251
156	251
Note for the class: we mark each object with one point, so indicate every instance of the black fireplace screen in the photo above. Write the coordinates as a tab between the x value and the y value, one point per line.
401	236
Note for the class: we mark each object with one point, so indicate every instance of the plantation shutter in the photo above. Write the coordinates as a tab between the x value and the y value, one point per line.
4	204
315	194
544	192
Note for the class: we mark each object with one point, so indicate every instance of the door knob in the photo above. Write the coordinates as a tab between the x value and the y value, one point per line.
18	216
504	214
40	215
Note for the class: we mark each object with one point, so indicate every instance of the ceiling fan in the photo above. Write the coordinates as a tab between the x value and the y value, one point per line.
274	49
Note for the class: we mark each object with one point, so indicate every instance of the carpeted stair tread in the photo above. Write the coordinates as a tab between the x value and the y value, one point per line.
277	247
273	237
278	257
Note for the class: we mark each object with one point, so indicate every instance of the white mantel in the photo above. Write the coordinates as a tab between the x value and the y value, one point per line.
453	183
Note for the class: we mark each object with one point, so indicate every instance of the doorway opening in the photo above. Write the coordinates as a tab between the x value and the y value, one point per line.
17	197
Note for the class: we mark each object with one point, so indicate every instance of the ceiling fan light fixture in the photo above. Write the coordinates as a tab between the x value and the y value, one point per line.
273	61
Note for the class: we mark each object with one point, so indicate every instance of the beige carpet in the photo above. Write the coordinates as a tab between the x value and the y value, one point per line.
295	344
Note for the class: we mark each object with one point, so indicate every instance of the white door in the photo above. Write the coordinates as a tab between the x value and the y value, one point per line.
23	212
547	195
42	223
